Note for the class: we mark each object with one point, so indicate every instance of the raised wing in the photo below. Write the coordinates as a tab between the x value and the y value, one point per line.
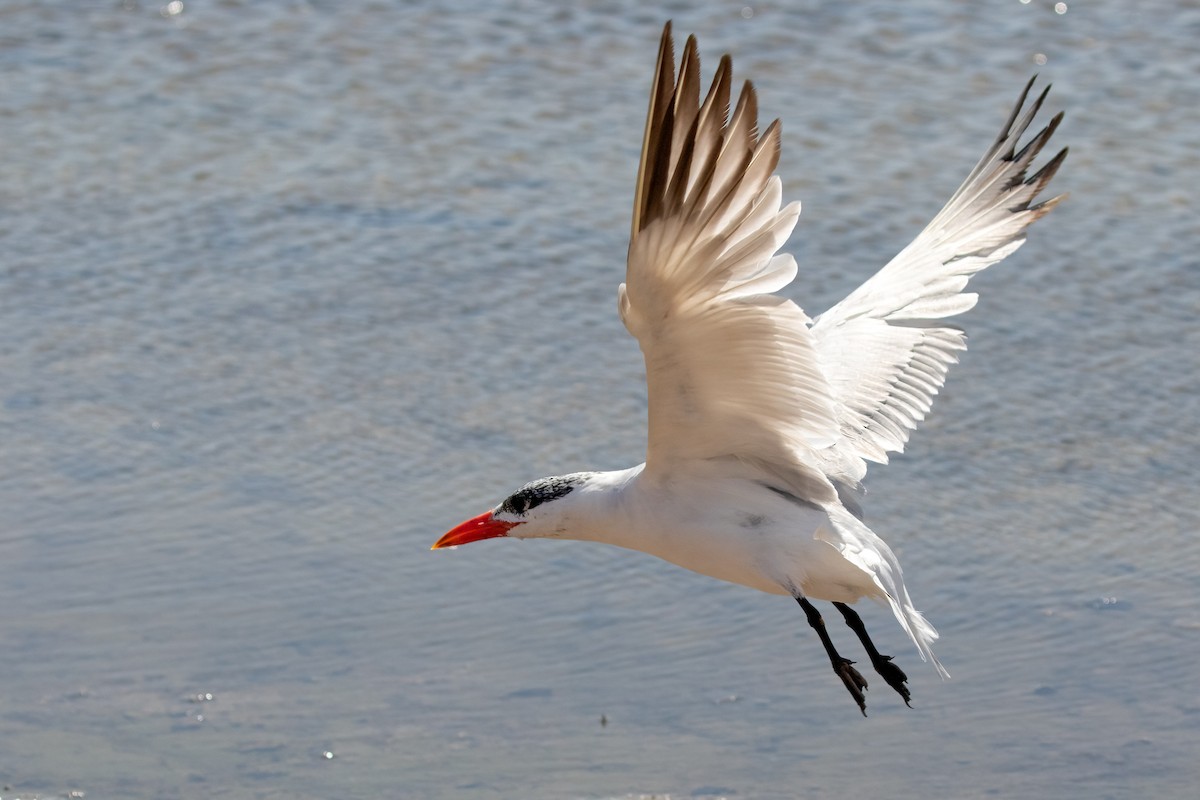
885	348
731	369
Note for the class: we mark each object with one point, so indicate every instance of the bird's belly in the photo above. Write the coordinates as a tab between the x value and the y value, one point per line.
708	556
775	553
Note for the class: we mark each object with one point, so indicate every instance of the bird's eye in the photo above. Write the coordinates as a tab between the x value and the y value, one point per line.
517	504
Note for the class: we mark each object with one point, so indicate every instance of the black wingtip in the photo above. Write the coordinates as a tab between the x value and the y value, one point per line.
1043	175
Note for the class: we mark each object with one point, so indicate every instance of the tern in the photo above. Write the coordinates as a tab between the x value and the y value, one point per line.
761	419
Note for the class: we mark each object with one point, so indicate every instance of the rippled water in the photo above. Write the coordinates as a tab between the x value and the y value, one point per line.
287	289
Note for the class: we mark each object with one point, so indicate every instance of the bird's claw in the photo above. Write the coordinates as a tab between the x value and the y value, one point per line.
856	684
894	676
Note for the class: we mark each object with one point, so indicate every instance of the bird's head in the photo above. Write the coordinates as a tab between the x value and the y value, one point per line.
539	509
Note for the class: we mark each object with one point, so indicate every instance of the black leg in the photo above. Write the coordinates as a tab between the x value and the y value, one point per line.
855	683
891	673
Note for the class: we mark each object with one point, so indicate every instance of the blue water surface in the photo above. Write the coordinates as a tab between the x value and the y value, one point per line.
288	289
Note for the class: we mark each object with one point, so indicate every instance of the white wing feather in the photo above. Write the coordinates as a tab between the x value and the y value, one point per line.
731	370
884	348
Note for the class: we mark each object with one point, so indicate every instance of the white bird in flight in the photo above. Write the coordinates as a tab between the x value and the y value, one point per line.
761	420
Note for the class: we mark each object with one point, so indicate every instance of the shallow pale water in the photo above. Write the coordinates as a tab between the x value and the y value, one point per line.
289	289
